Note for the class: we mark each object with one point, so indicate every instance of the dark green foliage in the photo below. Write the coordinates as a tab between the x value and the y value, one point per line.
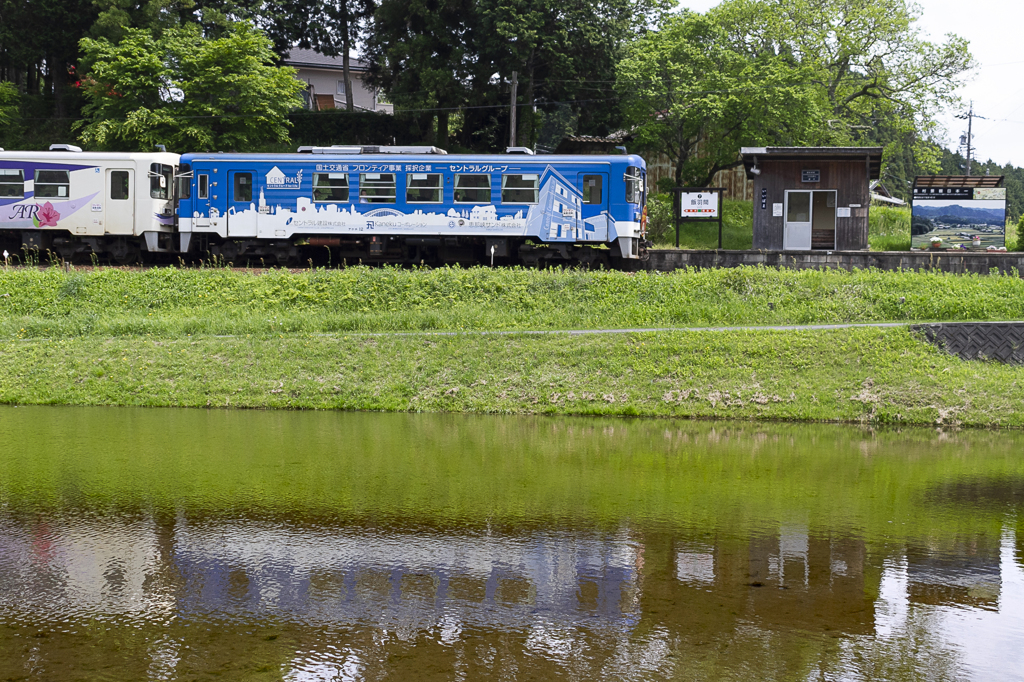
449	63
337	126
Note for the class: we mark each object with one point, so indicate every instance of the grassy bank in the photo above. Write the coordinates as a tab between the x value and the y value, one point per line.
225	338
872	375
173	303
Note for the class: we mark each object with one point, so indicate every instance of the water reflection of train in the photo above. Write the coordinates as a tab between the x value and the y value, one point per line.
412	579
327	204
407	580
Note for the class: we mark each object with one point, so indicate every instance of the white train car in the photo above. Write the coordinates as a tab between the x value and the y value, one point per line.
73	203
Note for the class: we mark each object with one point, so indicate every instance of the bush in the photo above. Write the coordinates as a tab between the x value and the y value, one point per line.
337	126
889	228
737	226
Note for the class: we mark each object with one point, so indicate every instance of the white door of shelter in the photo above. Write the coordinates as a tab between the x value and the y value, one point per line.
796	234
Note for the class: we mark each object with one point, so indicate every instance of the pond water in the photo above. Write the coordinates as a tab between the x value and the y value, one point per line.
193	545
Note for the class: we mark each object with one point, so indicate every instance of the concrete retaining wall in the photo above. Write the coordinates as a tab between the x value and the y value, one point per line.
982	262
1002	341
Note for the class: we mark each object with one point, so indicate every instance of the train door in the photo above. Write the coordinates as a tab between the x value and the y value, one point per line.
241	206
202	200
594	211
118	215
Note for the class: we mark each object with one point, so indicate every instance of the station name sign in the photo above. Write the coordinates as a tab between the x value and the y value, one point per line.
698	205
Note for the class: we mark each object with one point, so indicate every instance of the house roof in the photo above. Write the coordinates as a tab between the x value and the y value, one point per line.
872	155
298	56
880	192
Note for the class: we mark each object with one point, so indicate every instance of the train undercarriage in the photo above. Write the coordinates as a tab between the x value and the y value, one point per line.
315	251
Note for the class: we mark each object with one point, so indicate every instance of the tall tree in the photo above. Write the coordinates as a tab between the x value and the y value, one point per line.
882	81
860	70
687	92
39	45
331	27
186	91
450	56
424	54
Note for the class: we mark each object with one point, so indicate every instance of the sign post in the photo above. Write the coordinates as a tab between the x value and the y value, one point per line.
698	204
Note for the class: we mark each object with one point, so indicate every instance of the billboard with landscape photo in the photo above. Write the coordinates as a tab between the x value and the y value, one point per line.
958	224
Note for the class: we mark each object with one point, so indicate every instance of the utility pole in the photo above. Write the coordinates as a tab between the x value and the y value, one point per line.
970	119
512	126
967	140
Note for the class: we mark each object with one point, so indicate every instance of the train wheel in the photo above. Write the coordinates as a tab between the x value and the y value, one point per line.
124	252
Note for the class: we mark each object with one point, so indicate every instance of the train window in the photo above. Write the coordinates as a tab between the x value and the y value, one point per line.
159	181
592	188
377	188
243	187
12	182
184	181
473	189
423	188
203	188
119	185
633	184
52	183
519	189
330	187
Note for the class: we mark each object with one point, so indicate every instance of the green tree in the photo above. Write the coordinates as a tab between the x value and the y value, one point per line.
10	113
689	93
563	50
186	91
860	70
9	97
449	58
883	83
39	49
331	27
423	54
213	17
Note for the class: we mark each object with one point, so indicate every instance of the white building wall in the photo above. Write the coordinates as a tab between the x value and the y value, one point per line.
325	82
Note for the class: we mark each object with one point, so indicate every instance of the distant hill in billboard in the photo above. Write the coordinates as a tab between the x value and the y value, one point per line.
960	214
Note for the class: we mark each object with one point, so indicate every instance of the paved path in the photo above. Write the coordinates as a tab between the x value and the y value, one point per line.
634	330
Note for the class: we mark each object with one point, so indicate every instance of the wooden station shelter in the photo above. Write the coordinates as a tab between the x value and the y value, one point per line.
811	198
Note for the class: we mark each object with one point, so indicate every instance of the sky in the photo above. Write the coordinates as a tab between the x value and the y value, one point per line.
994	29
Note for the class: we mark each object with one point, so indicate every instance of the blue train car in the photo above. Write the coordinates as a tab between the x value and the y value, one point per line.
411	205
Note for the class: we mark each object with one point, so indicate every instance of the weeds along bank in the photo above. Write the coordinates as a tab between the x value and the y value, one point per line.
222	338
856	375
172	303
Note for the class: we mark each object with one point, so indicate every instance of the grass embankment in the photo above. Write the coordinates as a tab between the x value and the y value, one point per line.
224	338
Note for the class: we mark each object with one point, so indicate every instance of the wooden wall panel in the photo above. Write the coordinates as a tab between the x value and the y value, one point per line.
734	181
848	178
